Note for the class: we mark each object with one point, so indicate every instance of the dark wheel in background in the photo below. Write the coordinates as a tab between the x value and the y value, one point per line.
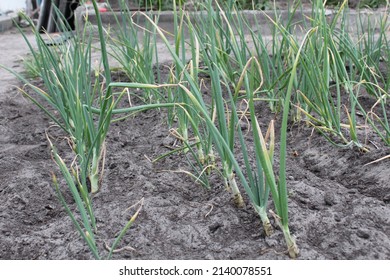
51	24
47	17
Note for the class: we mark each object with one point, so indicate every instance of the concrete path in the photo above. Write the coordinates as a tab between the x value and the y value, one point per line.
6	21
13	49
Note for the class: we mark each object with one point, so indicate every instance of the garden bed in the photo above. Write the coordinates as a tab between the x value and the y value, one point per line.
339	208
338	205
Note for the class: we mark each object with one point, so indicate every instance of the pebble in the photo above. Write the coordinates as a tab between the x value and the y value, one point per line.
354	226
26	242
387	198
330	199
362	233
49	207
271	242
27	222
168	141
209	257
214	227
243	125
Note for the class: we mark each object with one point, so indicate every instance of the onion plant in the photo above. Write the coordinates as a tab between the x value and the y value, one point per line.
333	62
225	123
67	73
190	131
188	78
373	49
134	47
258	181
218	60
177	95
72	92
264	159
320	63
239	36
87	226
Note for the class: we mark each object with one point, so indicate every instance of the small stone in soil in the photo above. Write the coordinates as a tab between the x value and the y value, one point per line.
271	242
363	234
49	207
243	125
214	227
330	199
